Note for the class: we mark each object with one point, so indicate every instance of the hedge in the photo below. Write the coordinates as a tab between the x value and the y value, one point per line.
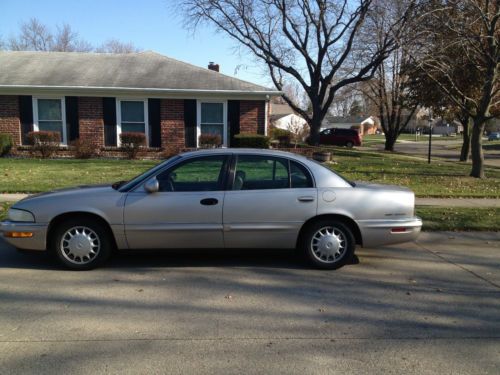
251	140
5	144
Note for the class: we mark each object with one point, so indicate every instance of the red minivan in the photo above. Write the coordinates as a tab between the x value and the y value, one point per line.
340	137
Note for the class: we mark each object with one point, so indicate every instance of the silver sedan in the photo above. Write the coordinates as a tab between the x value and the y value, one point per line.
221	198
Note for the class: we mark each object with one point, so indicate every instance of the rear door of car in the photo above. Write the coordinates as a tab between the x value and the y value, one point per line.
340	137
185	213
268	200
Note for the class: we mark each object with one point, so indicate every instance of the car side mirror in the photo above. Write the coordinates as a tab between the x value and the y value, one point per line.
152	185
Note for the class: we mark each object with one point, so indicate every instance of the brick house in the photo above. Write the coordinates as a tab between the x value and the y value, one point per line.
96	97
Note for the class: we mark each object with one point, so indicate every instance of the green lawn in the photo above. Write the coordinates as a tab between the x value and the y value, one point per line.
4	206
35	175
459	219
440	179
491	145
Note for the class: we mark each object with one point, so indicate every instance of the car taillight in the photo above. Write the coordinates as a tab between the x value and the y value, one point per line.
398	230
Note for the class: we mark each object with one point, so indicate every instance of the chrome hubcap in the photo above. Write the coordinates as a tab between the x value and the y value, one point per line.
328	245
80	245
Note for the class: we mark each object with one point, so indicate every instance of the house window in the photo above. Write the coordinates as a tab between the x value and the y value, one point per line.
213	119
132	116
50	115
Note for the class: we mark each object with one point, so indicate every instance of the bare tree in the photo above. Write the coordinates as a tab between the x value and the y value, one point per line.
311	42
297	130
388	90
67	40
33	36
467	32
345	101
115	46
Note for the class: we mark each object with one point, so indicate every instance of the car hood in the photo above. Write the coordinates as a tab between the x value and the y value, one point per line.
77	190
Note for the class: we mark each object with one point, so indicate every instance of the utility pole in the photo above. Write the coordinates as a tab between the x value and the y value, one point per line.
430	138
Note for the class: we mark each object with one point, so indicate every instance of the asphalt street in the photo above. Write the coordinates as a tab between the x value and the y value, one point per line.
449	150
419	308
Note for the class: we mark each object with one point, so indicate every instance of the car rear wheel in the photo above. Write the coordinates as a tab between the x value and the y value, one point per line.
81	244
328	244
349	144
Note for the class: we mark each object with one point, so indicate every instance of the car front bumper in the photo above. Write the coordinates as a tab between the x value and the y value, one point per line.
386	232
36	240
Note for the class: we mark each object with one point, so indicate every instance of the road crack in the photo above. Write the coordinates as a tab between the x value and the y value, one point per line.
495	285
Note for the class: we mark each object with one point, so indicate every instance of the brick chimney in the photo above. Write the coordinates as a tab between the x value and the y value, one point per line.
213	66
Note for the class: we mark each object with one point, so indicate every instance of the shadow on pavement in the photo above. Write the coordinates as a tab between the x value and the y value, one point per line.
286	259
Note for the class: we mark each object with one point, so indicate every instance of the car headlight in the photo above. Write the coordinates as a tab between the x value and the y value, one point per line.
20	215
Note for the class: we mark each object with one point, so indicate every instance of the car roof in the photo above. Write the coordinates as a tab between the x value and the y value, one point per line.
246	151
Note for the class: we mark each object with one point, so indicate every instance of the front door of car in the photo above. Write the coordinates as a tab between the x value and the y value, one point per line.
326	136
186	212
268	201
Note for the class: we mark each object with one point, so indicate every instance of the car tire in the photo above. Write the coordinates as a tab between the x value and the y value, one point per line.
81	243
328	244
349	144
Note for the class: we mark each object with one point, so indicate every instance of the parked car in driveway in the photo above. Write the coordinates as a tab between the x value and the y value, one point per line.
220	198
340	137
494	136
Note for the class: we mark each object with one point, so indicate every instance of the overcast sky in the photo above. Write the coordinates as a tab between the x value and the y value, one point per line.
148	24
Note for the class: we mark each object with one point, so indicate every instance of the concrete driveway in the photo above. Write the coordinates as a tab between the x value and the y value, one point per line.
426	307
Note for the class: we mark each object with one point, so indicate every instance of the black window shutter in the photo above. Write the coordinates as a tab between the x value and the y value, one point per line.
72	126
154	122
109	117
190	122
25	116
233	119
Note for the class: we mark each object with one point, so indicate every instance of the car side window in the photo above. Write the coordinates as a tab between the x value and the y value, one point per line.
260	172
300	176
198	174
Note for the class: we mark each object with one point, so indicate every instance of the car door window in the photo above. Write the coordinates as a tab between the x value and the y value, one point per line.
199	174
260	172
300	176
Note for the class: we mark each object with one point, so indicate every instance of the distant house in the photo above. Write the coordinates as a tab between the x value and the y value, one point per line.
284	117
364	124
98	96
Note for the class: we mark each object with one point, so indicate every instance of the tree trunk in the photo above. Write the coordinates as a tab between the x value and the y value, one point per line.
315	126
464	153
477	149
390	140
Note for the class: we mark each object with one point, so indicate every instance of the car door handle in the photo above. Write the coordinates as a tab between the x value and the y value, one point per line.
209	201
306	199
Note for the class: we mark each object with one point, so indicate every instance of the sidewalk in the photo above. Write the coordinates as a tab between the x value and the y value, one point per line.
458	202
12	197
443	202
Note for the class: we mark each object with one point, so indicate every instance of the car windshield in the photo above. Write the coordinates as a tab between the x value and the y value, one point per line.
127	185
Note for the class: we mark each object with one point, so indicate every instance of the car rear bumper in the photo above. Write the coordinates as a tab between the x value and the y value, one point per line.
34	235
386	232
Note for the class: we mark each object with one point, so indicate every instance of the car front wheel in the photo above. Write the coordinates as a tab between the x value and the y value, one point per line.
328	244
349	144
81	244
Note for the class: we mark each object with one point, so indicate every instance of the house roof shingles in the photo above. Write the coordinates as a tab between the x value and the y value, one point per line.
144	70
